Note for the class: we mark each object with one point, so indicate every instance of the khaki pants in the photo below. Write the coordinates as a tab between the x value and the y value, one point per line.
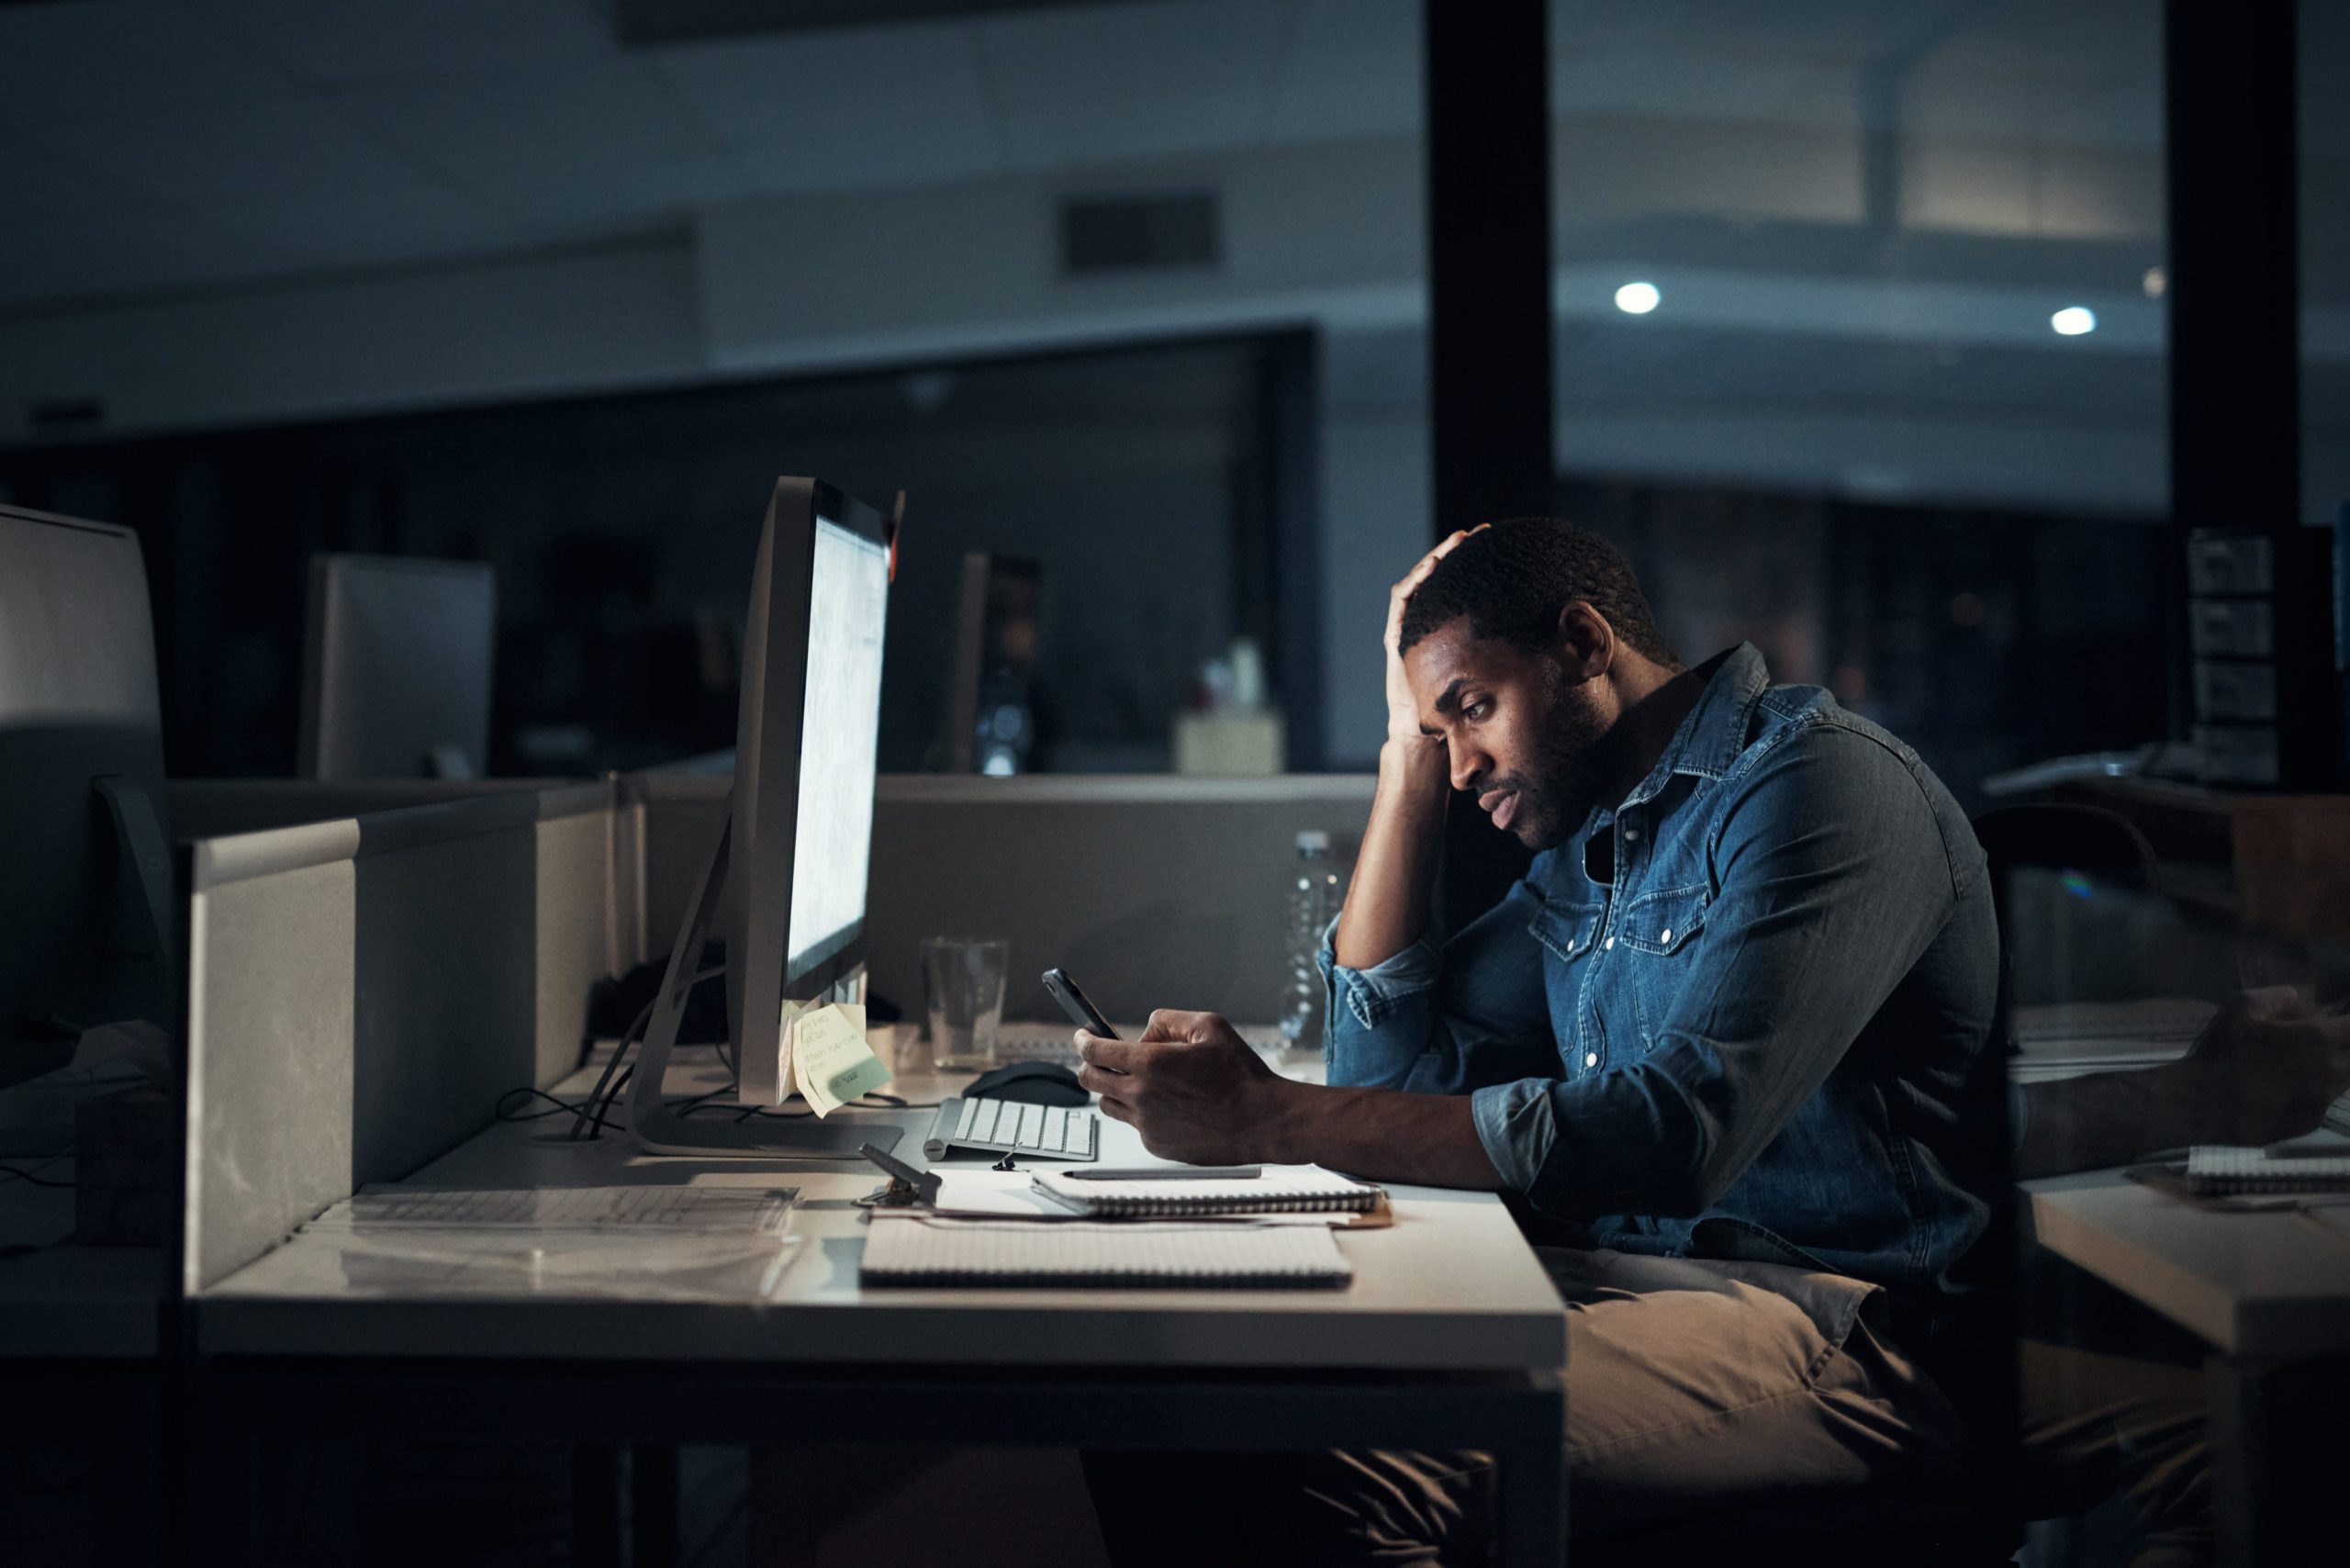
1691	1387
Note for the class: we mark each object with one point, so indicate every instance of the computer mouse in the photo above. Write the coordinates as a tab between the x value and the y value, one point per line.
1030	1083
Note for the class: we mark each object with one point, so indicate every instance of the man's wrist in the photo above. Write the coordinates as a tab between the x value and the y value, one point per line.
2183	1102
1286	1120
1413	759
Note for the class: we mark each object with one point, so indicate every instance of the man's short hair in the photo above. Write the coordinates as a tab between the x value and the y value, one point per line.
1511	581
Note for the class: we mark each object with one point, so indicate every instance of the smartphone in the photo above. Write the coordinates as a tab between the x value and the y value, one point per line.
1082	1012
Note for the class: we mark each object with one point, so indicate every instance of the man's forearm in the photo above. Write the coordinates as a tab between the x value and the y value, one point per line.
2100	1119
1387	902
1384	1134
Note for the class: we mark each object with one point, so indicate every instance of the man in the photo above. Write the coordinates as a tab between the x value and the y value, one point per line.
1735	1024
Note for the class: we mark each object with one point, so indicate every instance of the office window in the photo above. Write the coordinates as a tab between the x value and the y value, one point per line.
223	229
1860	336
2325	64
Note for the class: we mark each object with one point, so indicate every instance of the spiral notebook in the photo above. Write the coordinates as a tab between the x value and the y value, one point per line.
1298	1189
929	1249
2222	1169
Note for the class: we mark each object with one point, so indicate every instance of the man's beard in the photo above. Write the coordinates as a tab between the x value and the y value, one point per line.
1570	756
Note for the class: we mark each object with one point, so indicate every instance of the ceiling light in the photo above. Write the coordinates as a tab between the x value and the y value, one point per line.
2073	320
1636	298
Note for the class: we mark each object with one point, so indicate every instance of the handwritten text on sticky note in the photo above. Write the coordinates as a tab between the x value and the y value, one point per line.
831	1063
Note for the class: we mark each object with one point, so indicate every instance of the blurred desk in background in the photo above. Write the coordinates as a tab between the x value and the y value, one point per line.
2269	1293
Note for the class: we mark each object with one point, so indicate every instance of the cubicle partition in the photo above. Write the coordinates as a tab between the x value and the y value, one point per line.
1154	890
363	990
218	808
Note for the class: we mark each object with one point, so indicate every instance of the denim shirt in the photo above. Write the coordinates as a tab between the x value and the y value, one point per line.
1748	1013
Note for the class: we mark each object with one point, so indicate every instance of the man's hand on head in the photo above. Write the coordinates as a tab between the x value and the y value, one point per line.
1192	1087
1403	711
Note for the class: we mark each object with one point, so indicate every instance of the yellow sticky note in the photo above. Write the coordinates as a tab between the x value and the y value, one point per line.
831	1063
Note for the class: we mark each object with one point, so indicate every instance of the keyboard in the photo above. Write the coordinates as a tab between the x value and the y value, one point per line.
1054	1043
1008	1127
1057	1043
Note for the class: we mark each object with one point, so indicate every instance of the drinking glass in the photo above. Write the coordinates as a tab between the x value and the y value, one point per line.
962	985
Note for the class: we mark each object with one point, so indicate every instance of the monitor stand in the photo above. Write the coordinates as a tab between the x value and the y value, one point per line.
659	1131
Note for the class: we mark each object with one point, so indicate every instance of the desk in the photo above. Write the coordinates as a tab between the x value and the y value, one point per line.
2269	1292
1405	1357
82	1367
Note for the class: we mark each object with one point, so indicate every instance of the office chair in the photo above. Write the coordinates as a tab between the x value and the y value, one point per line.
1919	1531
2059	837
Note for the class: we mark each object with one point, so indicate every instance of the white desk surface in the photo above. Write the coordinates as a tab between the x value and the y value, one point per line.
1451	1287
2268	1285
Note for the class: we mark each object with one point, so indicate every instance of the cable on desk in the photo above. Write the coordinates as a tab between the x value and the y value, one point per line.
505	1110
607	1090
21	1174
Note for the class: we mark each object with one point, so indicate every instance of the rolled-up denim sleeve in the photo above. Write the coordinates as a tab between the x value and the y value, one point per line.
1518	1126
1449	1020
1831	879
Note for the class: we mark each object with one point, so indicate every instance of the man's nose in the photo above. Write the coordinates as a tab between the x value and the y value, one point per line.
1468	765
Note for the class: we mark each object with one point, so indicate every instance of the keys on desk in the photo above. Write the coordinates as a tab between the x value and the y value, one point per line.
1008	1127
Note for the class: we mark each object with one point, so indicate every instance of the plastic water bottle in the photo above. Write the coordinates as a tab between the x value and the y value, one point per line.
1313	900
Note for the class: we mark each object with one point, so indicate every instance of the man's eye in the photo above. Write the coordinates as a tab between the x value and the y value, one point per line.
1476	711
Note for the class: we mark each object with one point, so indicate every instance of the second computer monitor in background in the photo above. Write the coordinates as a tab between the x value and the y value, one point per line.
990	720
396	670
85	896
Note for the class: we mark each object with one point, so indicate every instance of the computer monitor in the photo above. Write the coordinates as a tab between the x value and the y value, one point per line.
787	882
396	668
990	723
86	927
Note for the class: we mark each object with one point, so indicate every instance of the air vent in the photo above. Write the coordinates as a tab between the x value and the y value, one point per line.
651	23
1138	233
66	415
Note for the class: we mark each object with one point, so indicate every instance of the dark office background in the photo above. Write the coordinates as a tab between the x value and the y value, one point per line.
1140	290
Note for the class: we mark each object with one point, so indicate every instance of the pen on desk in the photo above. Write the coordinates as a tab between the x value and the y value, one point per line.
1170	1173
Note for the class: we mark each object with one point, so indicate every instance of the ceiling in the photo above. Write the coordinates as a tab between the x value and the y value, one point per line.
1942	162
149	146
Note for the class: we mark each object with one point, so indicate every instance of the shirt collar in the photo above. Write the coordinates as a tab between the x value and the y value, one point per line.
1714	731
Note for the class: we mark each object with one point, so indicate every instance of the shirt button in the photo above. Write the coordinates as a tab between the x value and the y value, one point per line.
1631	833
1668	935
1609	943
1591	1059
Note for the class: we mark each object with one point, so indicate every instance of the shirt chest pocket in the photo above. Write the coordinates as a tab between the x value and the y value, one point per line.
1663	931
1565	930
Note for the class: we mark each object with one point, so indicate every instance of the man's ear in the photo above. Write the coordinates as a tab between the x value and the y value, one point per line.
1586	644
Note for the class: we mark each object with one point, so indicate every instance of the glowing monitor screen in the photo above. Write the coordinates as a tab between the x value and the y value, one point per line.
849	600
